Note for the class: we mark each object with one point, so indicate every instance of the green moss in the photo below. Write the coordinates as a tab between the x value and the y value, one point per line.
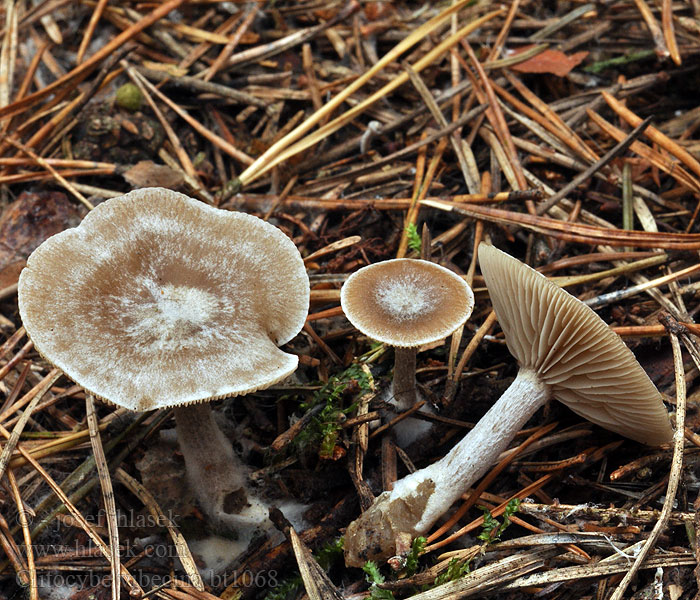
325	427
414	240
492	528
456	569
374	577
417	547
129	97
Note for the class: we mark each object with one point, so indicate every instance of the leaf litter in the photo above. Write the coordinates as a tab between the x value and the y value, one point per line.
366	131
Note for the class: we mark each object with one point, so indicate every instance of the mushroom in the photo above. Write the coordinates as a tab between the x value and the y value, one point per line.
565	351
157	300
406	303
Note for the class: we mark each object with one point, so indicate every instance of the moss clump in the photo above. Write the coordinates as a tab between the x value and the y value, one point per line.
129	97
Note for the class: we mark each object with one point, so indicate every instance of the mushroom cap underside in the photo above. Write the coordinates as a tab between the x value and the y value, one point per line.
406	302
573	350
157	299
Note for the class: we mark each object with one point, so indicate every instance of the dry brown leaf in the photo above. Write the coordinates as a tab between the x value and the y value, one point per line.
550	61
146	173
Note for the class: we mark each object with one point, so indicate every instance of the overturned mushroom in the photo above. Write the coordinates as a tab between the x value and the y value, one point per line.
157	300
565	351
406	303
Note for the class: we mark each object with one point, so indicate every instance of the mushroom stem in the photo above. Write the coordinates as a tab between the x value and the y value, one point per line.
418	500
404	378
216	473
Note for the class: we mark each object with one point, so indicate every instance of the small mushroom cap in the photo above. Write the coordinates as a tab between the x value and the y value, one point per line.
573	350
157	299
406	302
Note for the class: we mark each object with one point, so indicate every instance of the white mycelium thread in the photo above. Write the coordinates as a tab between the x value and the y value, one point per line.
405	298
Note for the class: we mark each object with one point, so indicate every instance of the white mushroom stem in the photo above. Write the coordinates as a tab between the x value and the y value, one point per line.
404	378
469	460
418	500
216	474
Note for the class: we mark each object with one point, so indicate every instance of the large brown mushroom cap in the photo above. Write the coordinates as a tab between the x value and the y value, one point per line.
406	302
572	350
156	299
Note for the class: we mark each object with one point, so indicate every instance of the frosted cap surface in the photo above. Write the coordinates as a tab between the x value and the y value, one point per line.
157	299
573	350
406	302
